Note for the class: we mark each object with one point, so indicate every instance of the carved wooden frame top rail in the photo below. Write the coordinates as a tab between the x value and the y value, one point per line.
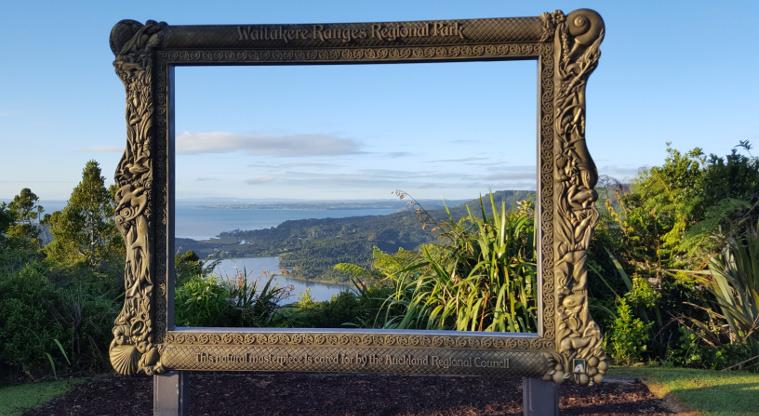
568	344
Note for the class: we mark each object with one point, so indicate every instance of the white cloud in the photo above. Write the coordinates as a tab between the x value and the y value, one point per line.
293	145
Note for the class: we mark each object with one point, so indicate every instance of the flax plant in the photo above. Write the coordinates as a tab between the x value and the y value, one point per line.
480	276
735	285
255	305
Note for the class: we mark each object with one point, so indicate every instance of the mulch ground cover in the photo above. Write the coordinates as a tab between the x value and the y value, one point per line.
331	394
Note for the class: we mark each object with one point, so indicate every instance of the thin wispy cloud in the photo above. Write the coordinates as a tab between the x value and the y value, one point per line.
620	172
294	145
471	189
496	163
393	173
460	159
524	178
206	179
102	149
505	167
298	164
511	176
396	155
259	180
24	181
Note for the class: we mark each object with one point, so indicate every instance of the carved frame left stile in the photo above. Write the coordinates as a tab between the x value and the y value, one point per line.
567	49
133	347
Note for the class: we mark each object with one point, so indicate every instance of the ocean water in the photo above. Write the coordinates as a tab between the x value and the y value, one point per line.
259	269
201	223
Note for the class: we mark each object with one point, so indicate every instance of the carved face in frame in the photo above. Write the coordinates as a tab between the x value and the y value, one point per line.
566	48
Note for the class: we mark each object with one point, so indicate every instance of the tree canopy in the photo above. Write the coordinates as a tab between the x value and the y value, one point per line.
84	231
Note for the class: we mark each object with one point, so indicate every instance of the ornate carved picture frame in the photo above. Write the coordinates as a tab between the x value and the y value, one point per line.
566	48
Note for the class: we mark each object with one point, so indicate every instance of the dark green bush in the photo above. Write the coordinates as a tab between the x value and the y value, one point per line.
29	306
629	335
53	321
691	350
202	301
186	266
210	301
88	317
340	311
253	305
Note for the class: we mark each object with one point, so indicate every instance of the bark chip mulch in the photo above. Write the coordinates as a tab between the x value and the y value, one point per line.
305	394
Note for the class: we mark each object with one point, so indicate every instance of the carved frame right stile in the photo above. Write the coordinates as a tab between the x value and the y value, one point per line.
567	48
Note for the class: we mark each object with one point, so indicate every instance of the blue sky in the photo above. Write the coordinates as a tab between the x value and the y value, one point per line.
683	72
437	131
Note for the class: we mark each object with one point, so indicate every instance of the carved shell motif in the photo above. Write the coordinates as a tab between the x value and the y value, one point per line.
124	358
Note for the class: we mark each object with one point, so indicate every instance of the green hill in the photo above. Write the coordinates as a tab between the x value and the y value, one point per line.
309	248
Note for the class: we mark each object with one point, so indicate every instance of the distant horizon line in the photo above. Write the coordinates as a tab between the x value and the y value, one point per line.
275	200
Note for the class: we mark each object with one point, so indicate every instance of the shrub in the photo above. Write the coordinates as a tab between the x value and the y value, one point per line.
202	301
350	308
186	266
629	335
210	301
28	325
690	350
642	294
340	311
88	317
251	305
729	333
735	285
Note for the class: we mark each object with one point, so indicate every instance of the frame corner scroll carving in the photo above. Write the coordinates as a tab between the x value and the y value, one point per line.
577	39
132	349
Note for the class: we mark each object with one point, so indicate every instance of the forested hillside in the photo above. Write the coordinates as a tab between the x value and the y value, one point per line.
309	248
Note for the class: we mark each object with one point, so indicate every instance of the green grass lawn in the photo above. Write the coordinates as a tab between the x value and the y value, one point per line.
708	392
17	398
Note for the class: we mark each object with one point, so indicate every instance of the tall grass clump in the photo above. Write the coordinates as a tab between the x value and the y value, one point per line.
207	300
730	330
254	304
480	275
735	285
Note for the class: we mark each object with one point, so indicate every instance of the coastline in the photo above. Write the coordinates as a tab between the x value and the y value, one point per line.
327	282
295	277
